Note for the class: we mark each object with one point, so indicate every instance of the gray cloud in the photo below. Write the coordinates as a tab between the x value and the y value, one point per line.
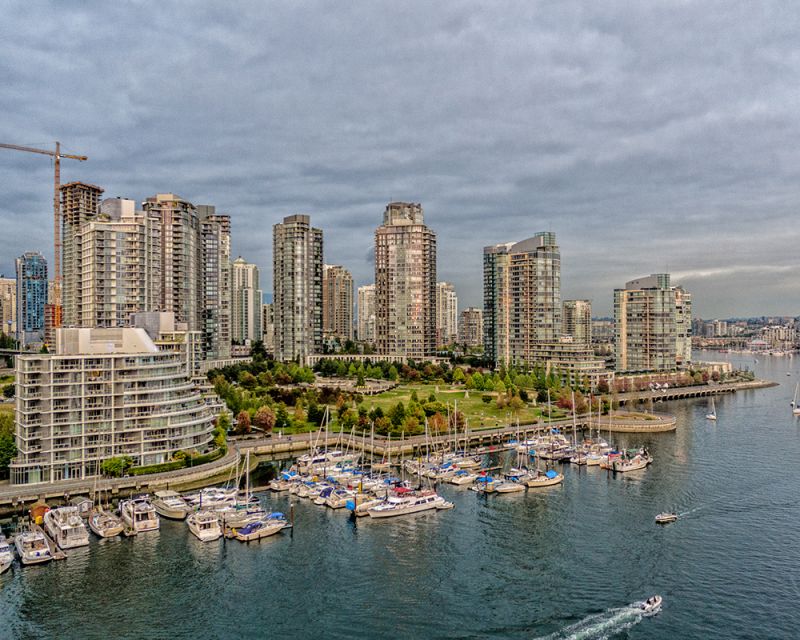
646	135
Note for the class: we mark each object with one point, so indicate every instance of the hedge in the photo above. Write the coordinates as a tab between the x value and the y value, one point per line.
178	464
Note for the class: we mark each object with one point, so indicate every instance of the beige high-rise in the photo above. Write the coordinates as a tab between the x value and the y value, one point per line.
246	302
576	320
446	314
366	313
405	283
8	306
337	303
470	330
297	284
216	303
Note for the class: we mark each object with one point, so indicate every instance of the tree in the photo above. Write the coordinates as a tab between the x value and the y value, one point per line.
393	375
397	414
360	381
8	390
264	419
243	423
437	423
117	466
282	418
458	375
224	421
8	447
500	387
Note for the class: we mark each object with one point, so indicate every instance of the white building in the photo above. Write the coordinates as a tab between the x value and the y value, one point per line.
446	314
366	313
246	296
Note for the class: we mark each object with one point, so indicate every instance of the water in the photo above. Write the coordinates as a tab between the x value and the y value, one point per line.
564	562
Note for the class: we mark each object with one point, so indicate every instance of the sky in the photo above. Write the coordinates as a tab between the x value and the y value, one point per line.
649	136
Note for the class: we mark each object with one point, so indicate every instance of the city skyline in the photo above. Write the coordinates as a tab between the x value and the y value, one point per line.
560	118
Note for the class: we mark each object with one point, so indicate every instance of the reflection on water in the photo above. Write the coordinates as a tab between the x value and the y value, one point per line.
562	562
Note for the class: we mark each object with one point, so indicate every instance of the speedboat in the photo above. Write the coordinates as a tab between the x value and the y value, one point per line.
404	502
212	497
651	605
666	517
170	504
139	515
65	526
268	526
462	477
6	555
32	547
204	525
105	524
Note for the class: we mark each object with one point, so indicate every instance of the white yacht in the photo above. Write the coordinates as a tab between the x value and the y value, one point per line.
267	526
6	555
139	515
204	525
325	461
65	526
32	547
170	504
405	502
462	477
105	524
213	497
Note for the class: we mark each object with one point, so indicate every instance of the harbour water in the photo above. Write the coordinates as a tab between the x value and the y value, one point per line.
563	562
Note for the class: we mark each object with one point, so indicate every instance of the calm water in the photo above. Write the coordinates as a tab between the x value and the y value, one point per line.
561	563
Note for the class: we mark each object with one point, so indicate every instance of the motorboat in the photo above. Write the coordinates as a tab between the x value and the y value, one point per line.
65	526
204	525
405	502
651	605
326	461
139	515
32	547
593	459
212	497
546	479
267	526
171	504
6	555
625	462
104	523
666	517
361	503
338	498
462	477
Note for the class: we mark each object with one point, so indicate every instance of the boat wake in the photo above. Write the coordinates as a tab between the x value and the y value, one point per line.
601	625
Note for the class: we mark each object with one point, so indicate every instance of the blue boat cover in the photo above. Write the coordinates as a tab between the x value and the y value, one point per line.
551	474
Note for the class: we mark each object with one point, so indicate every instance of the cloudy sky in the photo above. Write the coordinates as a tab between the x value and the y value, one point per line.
649	136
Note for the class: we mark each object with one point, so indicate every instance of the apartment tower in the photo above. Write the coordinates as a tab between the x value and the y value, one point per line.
337	303
31	297
576	320
246	296
366	313
446	314
405	283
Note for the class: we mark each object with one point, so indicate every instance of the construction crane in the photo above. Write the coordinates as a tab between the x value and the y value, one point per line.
57	155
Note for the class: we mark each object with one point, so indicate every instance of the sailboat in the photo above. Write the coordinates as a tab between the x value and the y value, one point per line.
795	407
712	415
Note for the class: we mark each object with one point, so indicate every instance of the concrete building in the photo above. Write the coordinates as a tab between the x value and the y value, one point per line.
337	303
103	393
366	314
80	203
470	329
446	314
405	283
521	298
576	320
180	288
297	282
31	297
8	306
652	321
216	302
268	327
247	300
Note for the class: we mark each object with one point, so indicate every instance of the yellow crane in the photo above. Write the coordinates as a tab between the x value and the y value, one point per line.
56	155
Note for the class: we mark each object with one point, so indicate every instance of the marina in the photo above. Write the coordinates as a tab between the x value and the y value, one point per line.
592	522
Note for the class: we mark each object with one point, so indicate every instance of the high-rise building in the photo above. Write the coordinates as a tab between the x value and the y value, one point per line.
446	314
337	303
216	286
297	284
470	329
521	298
576	320
366	313
80	203
268	327
31	297
180	288
8	306
103	393
247	301
405	283
119	270
652	322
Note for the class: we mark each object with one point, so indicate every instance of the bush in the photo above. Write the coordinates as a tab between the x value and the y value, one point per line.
486	399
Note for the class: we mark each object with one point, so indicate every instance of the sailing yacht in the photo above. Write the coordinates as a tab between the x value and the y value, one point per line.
795	407
712	414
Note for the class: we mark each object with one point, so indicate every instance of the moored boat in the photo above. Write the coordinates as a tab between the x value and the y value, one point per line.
204	525
65	526
405	502
32	547
104	523
6	555
139	515
268	526
170	504
546	479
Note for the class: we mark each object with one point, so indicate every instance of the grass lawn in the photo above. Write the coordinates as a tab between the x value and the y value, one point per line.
474	409
7	407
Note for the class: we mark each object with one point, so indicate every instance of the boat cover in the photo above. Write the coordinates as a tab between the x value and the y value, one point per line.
551	474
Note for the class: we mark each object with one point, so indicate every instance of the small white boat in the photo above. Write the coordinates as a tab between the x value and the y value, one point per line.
212	497
6	555
32	547
105	524
204	525
170	504
445	505
462	477
651	605
666	517
795	406
712	414
268	526
65	526
139	515
406	502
